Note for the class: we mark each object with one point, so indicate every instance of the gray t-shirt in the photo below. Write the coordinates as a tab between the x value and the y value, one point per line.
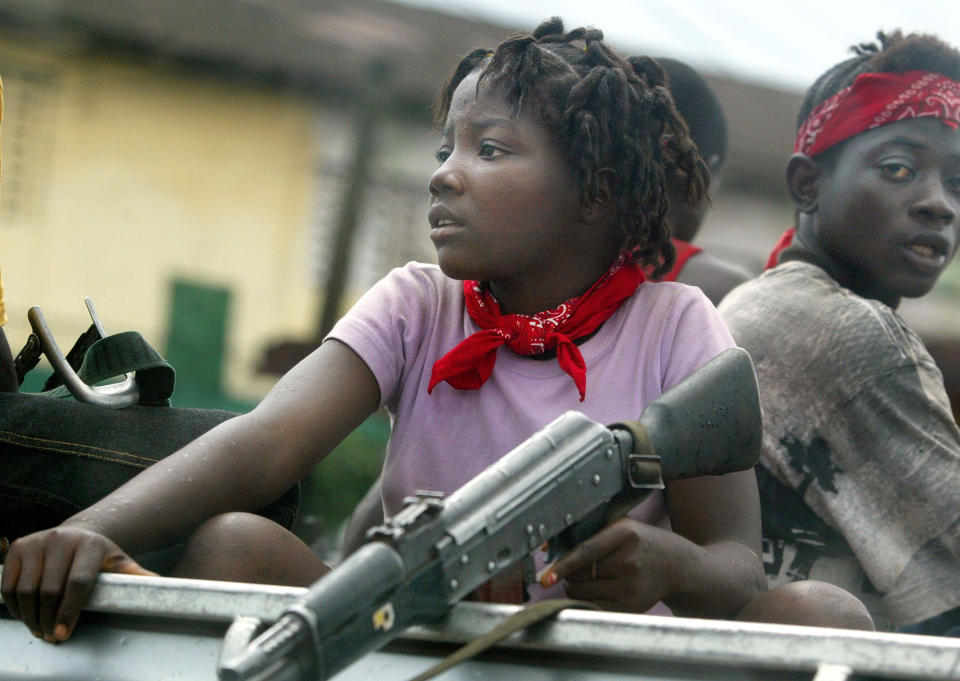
857	424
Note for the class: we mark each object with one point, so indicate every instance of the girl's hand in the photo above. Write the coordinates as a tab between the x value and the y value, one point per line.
48	576
628	566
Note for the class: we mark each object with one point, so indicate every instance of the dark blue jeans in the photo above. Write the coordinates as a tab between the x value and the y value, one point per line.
58	456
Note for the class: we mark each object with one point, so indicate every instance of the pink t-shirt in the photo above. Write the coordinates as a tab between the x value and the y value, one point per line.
439	441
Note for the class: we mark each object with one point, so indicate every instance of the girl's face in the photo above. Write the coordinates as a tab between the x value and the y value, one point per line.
888	211
504	204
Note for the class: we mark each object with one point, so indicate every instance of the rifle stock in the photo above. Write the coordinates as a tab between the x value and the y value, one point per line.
708	424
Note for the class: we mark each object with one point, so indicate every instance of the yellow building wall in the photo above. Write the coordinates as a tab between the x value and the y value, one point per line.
153	173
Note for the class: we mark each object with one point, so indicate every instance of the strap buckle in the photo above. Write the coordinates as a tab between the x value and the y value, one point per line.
111	396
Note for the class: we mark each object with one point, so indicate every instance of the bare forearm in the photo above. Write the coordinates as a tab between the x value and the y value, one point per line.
716	580
233	467
244	463
717	524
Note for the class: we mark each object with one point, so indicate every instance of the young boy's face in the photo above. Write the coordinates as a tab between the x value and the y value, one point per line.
888	210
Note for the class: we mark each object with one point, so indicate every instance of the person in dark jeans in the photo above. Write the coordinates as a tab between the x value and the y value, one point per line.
8	375
700	108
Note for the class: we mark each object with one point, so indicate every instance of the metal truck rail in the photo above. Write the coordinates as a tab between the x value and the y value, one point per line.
146	628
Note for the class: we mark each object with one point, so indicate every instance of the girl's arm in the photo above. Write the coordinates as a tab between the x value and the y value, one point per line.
242	464
708	566
246	462
720	517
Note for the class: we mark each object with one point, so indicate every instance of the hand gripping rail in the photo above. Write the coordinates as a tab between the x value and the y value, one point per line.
160	628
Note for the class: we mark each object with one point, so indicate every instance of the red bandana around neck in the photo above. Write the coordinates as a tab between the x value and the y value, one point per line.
685	250
875	99
468	365
783	242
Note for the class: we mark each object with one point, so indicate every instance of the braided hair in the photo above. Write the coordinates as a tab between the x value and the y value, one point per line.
604	113
895	52
700	107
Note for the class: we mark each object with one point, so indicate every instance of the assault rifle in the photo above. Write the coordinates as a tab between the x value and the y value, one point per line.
562	485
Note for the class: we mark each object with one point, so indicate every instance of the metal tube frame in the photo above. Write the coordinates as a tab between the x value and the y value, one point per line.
827	654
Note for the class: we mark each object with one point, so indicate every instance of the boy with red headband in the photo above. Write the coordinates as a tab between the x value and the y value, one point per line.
860	476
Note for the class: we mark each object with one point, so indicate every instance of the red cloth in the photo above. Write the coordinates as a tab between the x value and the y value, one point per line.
468	365
875	99
785	240
685	250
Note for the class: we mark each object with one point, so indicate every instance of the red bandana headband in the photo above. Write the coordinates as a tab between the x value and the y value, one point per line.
468	365
876	99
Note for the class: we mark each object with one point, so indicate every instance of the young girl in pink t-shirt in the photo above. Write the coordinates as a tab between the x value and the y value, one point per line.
548	201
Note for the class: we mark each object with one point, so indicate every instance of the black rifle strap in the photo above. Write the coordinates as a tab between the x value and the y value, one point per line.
74	357
516	622
27	358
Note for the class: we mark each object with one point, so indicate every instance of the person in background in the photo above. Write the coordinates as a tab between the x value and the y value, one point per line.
700	108
860	473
